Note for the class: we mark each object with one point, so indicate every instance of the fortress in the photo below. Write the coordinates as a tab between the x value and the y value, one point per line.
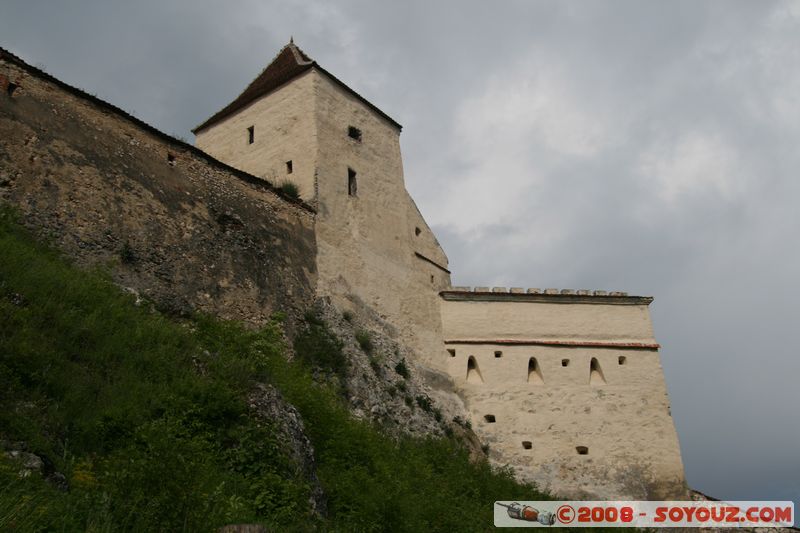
565	386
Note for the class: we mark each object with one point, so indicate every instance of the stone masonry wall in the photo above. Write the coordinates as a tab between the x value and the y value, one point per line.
567	389
168	220
283	130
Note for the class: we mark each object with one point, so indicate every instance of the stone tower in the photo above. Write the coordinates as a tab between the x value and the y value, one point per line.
298	122
565	386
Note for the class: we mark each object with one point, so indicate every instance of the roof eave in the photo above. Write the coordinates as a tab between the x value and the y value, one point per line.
214	119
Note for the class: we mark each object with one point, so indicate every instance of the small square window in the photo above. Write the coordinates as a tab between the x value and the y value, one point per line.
565	362
11	87
498	353
354	133
289	167
251	134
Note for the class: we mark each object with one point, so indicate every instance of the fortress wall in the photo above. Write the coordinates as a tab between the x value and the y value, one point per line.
367	242
544	410
191	233
547	317
284	130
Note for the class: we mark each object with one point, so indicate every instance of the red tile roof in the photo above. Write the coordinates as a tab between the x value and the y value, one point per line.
287	65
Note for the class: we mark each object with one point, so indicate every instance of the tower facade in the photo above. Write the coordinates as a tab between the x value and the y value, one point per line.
297	122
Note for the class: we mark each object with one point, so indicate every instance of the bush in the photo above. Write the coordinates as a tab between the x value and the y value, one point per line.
316	345
290	189
348	315
402	369
364	341
425	404
126	254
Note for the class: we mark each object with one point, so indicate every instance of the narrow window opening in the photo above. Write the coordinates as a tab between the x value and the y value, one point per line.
527	444
171	159
452	352
534	372
596	376
352	184
565	362
498	353
11	87
622	359
289	167
582	450
251	134
417	231
473	372
354	133
489	419
432	278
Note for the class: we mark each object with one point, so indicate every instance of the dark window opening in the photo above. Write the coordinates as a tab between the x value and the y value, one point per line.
417	231
622	359
498	353
473	373
534	372
582	450
432	278
289	167
251	134
527	444
171	159
354	133
565	362
352	184
489	419
596	376
452	352
11	87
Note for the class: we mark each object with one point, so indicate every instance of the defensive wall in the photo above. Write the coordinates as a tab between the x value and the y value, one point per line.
567	388
170	222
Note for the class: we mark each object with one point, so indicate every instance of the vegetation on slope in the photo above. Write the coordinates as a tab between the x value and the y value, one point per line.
147	419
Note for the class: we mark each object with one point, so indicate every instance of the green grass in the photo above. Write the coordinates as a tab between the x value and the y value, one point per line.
147	418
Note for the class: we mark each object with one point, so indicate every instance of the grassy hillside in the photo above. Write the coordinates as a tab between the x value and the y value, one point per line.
147	419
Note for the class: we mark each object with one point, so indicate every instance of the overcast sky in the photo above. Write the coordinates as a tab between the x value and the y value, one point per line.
644	146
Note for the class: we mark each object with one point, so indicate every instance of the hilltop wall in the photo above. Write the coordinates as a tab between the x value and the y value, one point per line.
170	222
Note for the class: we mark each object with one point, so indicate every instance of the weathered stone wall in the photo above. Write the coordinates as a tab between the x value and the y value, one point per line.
284	130
171	222
523	363
368	244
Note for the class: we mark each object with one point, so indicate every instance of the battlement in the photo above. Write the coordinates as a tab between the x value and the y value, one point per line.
504	294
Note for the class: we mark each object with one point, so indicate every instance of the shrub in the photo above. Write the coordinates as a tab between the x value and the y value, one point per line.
316	345
425	403
126	254
289	188
364	341
348	315
402	369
